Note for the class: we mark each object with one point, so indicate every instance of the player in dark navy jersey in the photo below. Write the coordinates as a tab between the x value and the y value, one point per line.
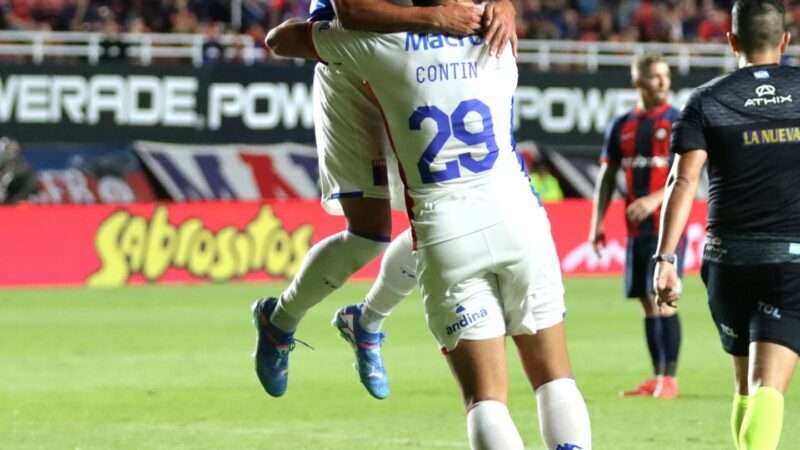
638	143
746	126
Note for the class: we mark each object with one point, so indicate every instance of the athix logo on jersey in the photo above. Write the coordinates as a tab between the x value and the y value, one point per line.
767	95
466	319
765	89
566	446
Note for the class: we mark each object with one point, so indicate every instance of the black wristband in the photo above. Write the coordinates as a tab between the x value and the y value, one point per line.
671	258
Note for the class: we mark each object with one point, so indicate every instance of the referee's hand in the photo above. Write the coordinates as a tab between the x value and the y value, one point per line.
667	284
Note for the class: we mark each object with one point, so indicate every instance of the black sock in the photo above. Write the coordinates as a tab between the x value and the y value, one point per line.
653	332
671	339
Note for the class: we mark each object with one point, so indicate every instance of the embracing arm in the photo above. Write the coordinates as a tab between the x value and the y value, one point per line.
458	18
383	16
292	39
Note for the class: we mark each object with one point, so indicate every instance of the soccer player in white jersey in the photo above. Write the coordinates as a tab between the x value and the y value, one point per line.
486	260
350	143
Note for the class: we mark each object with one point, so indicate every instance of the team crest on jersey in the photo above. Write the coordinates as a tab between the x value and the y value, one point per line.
661	134
767	95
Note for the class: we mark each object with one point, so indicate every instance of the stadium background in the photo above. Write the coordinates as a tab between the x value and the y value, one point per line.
168	147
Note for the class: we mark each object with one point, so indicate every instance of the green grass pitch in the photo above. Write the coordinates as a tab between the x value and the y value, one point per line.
157	367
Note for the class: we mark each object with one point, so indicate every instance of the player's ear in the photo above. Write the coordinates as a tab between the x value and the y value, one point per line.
787	37
733	41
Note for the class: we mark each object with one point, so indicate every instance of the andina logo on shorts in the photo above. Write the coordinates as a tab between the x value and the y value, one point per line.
466	319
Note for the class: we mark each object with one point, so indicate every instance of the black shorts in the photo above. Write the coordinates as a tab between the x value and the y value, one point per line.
757	302
640	267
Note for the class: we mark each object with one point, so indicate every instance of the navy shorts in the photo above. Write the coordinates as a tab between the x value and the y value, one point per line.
640	267
754	303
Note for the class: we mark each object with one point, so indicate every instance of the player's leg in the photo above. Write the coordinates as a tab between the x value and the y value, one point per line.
771	369
638	277
667	386
331	261
740	396
396	280
327	265
398	273
730	302
348	177
533	303
563	416
480	368
464	314
366	342
774	325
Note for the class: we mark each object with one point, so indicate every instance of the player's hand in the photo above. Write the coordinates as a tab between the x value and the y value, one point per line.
500	26
598	241
458	18
667	284
642	208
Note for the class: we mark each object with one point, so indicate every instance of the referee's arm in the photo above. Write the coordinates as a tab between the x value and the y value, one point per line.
680	191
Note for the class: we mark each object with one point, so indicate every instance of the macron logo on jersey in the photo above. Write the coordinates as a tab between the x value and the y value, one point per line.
466	319
431	41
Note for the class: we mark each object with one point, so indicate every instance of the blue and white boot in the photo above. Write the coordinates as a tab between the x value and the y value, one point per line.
367	347
272	349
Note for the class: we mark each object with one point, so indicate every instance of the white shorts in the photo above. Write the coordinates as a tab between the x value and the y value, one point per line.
502	280
351	140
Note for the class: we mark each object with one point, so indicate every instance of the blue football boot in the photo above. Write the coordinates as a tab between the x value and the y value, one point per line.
367	347
272	349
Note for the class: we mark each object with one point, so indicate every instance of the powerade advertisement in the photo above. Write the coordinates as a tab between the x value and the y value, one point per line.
267	104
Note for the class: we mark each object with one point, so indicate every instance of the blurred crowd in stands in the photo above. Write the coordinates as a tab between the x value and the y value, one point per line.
586	20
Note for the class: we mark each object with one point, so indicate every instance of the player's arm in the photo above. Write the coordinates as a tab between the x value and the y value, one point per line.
688	145
383	16
605	184
603	192
498	20
680	192
292	39
643	207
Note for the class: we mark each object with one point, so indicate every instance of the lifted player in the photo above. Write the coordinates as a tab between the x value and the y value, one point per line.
350	143
487	263
747	126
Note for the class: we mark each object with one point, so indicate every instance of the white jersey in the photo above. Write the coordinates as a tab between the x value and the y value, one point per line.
448	105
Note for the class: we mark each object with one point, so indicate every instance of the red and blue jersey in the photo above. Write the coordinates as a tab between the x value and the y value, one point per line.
638	142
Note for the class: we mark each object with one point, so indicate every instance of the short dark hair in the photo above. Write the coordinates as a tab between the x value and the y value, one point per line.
425	2
759	24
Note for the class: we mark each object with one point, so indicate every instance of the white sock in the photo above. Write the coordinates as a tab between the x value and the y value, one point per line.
396	280
327	265
563	417
489	427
